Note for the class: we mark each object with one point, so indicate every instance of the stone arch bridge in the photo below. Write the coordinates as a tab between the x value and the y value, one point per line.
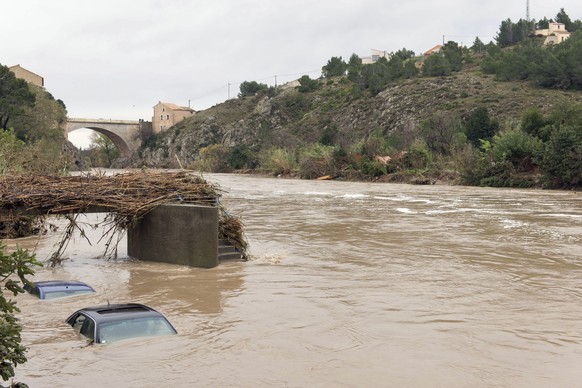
127	135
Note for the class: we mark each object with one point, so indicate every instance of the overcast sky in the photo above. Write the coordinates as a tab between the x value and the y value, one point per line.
117	59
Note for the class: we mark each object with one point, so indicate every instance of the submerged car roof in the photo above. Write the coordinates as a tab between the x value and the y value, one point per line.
116	312
50	286
58	283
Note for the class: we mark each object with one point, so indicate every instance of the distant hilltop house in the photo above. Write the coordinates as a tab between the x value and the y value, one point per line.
375	56
434	50
27	75
167	115
555	33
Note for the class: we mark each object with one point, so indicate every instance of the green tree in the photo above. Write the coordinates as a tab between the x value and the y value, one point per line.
562	159
17	264
478	46
355	70
454	55
562	17
241	156
404	54
543	24
436	65
441	132
307	84
46	118
479	126
395	67
517	147
103	151
15	96
12	153
250	88
504	37
335	67
533	122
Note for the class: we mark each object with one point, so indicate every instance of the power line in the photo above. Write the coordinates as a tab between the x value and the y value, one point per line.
209	93
229	84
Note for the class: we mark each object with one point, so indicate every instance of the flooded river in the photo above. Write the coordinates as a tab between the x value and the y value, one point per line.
351	285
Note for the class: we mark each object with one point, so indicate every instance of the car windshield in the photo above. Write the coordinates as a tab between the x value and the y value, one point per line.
132	328
48	294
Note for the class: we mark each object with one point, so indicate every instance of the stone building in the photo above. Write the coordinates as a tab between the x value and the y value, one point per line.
167	115
555	33
27	75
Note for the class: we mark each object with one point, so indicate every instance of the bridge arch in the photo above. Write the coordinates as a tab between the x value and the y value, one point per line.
126	135
116	139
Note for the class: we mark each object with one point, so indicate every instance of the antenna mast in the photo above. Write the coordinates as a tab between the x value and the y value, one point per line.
527	10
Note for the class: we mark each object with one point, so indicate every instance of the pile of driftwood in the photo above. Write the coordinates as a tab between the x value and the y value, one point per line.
27	201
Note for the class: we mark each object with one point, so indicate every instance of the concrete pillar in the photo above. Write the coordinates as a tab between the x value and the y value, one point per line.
177	233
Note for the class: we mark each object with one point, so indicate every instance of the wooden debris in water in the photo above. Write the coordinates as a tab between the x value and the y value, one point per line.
125	197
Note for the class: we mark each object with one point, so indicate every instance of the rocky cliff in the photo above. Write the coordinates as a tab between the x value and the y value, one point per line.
340	111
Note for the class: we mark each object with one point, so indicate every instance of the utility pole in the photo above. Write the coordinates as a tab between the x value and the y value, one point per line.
527	10
275	81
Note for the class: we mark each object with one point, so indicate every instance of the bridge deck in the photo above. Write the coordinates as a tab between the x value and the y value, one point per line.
101	121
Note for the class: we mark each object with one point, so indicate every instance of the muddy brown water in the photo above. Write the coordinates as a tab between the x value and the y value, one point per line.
351	285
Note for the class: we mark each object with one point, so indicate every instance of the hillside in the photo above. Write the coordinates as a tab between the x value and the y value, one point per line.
291	118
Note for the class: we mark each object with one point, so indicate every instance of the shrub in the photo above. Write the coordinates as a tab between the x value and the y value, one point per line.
18	265
307	84
372	167
562	159
241	157
11	152
316	161
418	156
278	161
518	148
214	158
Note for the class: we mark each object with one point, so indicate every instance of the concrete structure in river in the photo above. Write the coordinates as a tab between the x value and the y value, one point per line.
178	234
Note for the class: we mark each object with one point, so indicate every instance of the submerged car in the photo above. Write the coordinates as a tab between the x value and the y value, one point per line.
110	323
58	288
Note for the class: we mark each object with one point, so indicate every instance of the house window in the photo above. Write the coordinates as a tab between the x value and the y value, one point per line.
167	117
161	117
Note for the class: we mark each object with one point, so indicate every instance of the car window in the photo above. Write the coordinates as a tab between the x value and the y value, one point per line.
78	322
132	328
88	329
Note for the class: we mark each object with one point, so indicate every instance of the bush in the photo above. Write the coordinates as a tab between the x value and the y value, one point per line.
372	167
307	84
278	161
241	157
11	152
418	156
562	159
316	161
214	158
18	264
518	148
250	88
